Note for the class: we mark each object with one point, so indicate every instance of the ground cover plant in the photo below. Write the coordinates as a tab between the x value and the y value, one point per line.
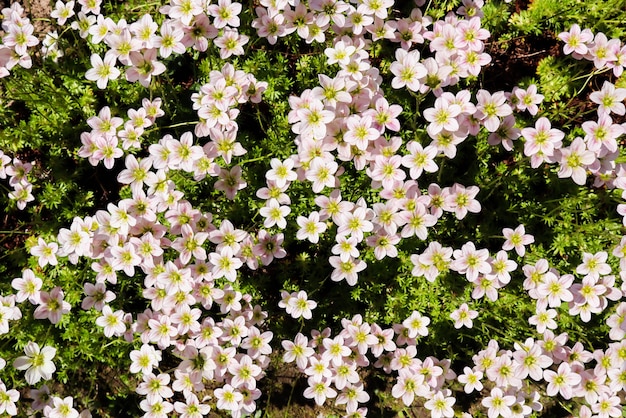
313	208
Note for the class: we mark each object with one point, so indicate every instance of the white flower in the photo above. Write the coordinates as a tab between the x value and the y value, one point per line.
416	325
310	228
63	408
7	400
37	363
103	70
112	322
463	316
300	305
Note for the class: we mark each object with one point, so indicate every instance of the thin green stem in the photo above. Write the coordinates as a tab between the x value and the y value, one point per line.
176	125
252	160
146	5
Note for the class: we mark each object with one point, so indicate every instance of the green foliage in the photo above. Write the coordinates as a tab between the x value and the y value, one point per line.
43	112
559	15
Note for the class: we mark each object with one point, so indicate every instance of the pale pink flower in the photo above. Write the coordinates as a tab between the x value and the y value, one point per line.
420	159
190	244
440	405
227	236
312	120
244	372
501	267
136	172
490	108
527	99
610	99
191	408
52	306
157	409
385	115
225	12
183	153
408	70
471	379
386	171
37	362
231	43
144	30
270	26
471	8
297	350
256	343
461	200
574	160
463	316
530	360
28	287
594	265
432	261
587	298
543	319
321	173
442	117
112	322
351	396
355	223
310	228
486	286
269	246
556	289
274	192
603	133
346	248
125	258
230	181
63	408
319	390
360	131
517	239
542	139
576	41
274	214
281	173
161	331
122	45
408	385
416	324
100	29
62	11
600	52
170	40
607	406
225	264
407	32
498	404
339	53
562	381
301	306
144	66
332	206
347	270
471	262
106	149
228	398
145	359
8	399
19	37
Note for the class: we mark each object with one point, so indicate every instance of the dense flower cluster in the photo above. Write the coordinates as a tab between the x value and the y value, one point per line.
188	262
17	171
